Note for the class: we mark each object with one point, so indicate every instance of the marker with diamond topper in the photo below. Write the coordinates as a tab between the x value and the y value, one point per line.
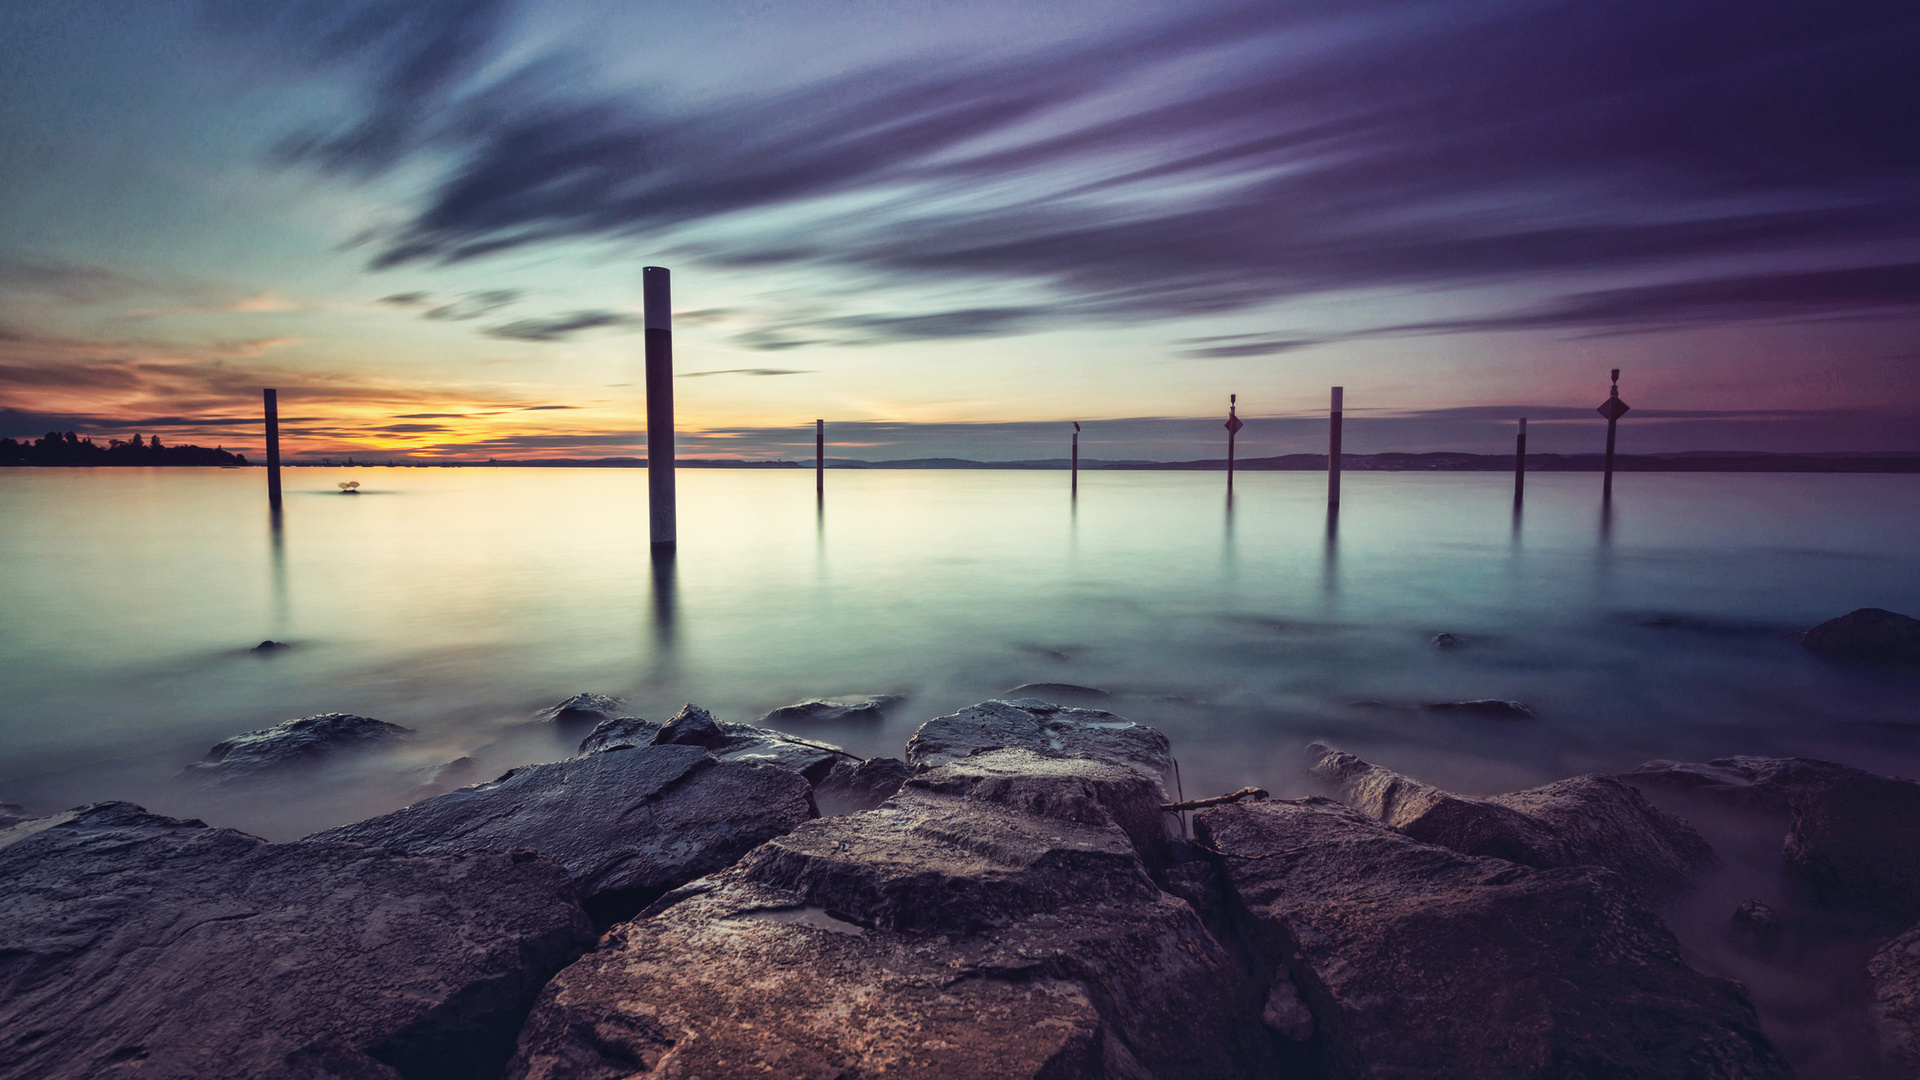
1613	409
1233	426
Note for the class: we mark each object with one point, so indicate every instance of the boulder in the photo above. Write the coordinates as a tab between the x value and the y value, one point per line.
1044	728
622	733
993	920
1756	926
1743	782
1446	641
851	788
1895	971
1855	844
295	743
582	711
1583	821
627	825
1490	708
135	944
1415	960
13	814
1061	693
695	726
1867	634
837	710
270	646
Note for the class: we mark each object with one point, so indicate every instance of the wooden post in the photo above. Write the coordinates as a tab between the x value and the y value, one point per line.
1076	458
1333	447
656	298
1613	409
819	459
272	400
1520	463
1233	427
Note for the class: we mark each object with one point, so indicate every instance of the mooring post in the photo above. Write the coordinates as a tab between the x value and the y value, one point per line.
1613	409
656	298
1520	463
1233	426
1333	447
819	459
272	400
1076	458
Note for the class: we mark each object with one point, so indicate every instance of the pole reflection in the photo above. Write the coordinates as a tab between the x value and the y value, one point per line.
1330	560
277	540
665	607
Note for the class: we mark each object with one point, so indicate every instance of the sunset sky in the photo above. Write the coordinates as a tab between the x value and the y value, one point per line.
948	228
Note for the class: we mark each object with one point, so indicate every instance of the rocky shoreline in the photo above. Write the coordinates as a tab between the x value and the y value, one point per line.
1017	896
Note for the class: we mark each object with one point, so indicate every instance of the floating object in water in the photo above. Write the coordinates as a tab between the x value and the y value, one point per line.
349	487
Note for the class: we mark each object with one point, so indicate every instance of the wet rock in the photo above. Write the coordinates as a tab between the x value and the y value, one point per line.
1855	844
1061	693
1415	960
852	787
627	825
296	743
837	710
582	711
1743	782
1489	708
695	726
988	921
1583	821
1285	1013
622	733
1757	926
13	814
1447	641
1867	634
1895	971
136	944
270	646
1044	728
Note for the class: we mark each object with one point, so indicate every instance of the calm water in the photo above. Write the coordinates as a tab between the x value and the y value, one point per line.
457	601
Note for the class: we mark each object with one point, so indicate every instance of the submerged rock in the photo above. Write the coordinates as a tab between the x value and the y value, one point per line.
1743	782
1061	693
1895	971
270	646
851	788
1867	634
1583	821
1415	960
993	920
856	710
1044	728
1491	708
307	741
695	726
1446	641
627	825
13	814
622	733
143	945
582	711
1756	926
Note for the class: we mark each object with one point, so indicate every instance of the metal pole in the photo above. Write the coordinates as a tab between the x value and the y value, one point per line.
656	298
1520	463
272	401
1333	447
1233	428
1076	457
820	459
1613	409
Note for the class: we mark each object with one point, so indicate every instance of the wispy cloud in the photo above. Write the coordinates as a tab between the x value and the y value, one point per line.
561	327
743	371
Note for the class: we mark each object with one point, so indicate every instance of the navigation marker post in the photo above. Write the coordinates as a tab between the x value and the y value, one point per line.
1233	426
1333	446
1520	464
271	398
656	299
1613	409
1076	459
820	460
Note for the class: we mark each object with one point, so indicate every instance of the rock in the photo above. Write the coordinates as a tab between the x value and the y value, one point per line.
1447	641
303	742
993	920
622	733
1285	1013
627	825
1867	634
12	814
1895	971
582	711
1756	926
851	788
860	710
1415	960
1584	821
1743	782
1490	708
1060	692
136	944
695	726
1044	728
269	646
1855	844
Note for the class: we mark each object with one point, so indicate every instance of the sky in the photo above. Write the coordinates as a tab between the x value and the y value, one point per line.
948	228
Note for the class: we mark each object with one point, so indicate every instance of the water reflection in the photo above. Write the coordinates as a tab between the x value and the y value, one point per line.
278	540
1330	557
665	588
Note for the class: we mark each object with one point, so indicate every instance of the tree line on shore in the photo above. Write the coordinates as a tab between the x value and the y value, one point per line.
65	448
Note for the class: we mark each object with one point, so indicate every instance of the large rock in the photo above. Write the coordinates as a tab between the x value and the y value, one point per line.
295	743
993	920
583	711
1583	821
1044	728
13	814
627	825
835	710
139	945
1417	961
695	726
1867	634
1896	1000
1743	782
619	733
851	788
